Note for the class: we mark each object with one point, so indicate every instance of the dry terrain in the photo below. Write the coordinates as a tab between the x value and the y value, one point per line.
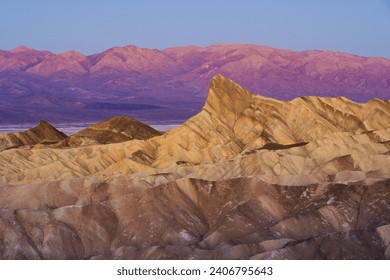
247	177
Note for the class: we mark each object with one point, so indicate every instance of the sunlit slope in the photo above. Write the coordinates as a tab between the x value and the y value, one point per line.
233	127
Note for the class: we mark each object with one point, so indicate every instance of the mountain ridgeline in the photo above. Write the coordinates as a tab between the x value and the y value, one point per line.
171	84
247	177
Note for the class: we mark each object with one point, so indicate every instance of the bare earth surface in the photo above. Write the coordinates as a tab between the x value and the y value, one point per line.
247	177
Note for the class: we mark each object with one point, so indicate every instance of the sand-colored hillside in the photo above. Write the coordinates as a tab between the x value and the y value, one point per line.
232	125
248	177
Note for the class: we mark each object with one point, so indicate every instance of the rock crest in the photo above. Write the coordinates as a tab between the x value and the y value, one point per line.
247	177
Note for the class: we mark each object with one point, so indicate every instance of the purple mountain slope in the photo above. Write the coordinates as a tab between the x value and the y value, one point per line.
171	84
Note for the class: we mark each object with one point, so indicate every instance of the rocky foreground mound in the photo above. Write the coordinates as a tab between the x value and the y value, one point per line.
247	177
43	133
113	130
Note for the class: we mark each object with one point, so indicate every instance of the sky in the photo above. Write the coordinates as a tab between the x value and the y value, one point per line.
359	27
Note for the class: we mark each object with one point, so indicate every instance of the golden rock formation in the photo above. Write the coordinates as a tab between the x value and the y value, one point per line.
247	177
234	127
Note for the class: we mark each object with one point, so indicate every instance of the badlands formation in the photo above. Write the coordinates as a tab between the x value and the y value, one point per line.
42	133
113	130
247	177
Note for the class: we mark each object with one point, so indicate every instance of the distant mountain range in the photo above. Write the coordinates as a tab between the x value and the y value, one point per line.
170	85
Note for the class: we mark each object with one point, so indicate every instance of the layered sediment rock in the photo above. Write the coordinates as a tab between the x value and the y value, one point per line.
247	177
43	133
113	130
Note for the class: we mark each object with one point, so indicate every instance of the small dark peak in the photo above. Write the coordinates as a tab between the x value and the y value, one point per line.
44	128
127	126
112	130
44	123
43	134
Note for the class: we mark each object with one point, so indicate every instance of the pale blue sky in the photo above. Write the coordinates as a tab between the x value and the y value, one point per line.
354	26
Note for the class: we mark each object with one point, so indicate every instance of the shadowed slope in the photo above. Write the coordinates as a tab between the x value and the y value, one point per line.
43	133
194	219
113	130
